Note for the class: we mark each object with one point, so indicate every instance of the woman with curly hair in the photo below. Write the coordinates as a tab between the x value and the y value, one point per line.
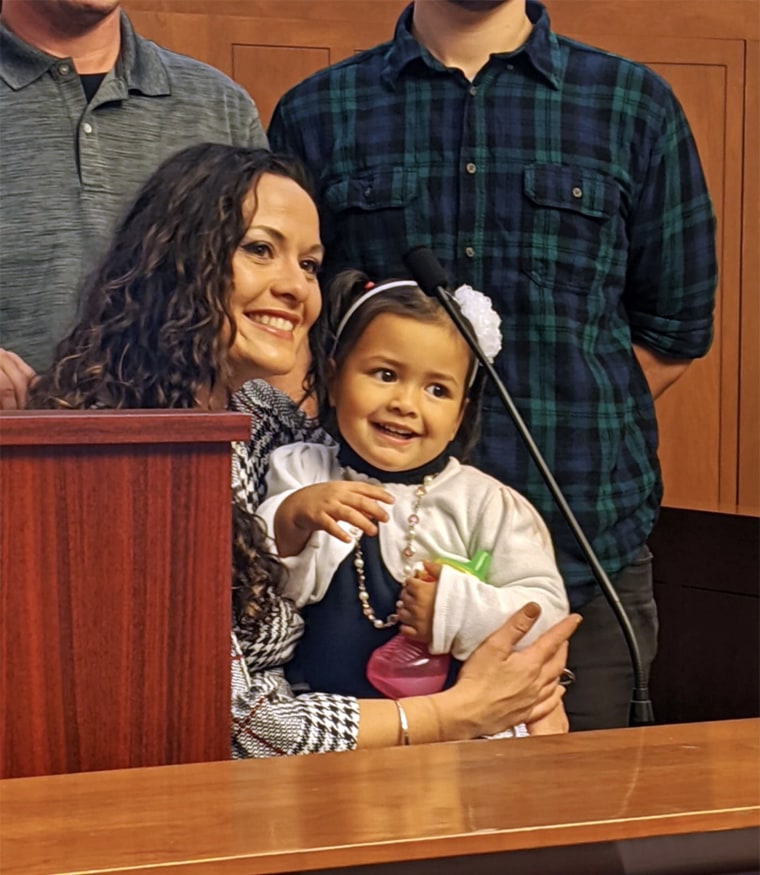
209	289
161	323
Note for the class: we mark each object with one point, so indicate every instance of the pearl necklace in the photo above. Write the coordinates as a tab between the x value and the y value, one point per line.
409	551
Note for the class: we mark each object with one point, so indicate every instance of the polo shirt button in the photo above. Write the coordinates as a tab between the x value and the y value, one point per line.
469	251
577	191
87	128
470	167
64	69
473	90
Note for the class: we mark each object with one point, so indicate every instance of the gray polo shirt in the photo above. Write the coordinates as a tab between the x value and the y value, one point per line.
68	170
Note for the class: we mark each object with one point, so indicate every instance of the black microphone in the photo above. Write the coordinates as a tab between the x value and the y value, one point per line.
430	276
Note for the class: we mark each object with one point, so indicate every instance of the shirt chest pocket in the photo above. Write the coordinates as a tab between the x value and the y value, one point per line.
370	214
570	226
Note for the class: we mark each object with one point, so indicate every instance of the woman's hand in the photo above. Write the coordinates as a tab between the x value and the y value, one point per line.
555	723
499	687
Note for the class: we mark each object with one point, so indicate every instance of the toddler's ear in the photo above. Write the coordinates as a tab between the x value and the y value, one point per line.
331	373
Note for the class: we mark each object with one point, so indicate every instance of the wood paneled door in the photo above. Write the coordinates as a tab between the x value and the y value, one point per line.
266	45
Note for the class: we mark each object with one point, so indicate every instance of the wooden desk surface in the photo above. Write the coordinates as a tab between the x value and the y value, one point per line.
333	810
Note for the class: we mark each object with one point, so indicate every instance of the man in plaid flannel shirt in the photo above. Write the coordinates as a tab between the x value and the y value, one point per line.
565	183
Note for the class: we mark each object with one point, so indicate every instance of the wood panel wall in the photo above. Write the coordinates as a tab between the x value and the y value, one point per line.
266	45
749	383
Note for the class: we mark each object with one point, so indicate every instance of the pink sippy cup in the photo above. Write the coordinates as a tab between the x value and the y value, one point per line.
403	667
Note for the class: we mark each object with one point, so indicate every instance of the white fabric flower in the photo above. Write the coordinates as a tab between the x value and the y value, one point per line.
478	310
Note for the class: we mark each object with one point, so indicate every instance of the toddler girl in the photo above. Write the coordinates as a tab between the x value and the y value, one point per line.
354	523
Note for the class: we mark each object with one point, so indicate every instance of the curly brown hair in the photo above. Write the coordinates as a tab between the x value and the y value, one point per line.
256	573
152	314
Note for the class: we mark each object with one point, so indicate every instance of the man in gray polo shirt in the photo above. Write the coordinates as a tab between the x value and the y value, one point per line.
88	110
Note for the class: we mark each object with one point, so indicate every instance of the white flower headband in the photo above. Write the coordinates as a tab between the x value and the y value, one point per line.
475	306
486	322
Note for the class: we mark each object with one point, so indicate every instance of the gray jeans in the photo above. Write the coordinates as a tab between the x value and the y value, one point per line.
600	698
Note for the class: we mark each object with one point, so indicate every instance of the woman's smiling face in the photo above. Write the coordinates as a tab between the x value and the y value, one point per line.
275	296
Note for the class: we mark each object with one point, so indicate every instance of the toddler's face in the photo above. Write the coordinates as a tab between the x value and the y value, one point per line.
399	395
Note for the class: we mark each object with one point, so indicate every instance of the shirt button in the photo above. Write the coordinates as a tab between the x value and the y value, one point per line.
469	251
577	191
473	90
64	69
87	128
470	167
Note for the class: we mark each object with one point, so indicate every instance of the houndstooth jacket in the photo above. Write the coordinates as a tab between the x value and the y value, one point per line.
267	718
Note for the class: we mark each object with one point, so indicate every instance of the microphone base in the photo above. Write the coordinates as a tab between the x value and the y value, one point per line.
642	712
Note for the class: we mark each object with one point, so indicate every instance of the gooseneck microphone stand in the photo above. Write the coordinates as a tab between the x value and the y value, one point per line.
430	276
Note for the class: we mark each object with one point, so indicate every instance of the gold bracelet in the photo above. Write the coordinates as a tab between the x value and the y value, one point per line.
403	722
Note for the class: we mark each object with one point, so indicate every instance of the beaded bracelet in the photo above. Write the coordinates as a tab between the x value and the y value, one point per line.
404	723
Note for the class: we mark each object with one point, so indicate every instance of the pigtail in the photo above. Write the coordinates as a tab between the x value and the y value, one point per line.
347	286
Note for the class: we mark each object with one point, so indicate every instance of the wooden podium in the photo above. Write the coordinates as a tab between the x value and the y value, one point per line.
114	588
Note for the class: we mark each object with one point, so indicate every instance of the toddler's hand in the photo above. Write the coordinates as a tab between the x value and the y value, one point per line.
323	506
417	603
555	723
